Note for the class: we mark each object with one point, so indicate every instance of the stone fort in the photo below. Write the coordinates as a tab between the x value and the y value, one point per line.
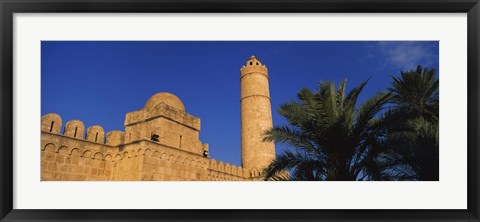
160	141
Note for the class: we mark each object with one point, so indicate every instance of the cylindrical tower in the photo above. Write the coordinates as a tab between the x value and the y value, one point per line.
256	114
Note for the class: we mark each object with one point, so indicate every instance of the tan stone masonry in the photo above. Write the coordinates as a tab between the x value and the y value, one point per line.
160	142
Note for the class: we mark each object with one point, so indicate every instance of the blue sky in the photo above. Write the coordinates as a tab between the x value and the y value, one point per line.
99	82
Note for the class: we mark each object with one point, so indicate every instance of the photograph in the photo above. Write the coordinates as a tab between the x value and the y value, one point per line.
239	111
271	110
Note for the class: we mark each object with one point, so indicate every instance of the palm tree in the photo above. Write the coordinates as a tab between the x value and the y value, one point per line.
416	151
332	137
413	121
415	94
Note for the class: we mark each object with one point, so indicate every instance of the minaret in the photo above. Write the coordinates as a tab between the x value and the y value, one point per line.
256	114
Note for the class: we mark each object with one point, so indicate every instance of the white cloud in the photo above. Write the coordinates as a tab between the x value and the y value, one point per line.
407	55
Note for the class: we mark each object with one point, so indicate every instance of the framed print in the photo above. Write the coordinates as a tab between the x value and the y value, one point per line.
235	110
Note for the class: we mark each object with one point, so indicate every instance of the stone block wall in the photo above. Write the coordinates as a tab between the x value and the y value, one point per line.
92	157
175	128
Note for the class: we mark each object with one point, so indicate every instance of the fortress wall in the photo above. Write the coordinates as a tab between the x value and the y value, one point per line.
226	172
115	138
71	157
67	159
127	164
141	160
167	163
74	155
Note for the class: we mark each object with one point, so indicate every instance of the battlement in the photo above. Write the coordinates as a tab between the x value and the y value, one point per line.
52	123
253	65
226	168
220	167
96	155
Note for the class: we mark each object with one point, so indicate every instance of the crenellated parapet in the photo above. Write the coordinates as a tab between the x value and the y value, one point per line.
219	170
75	129
52	123
253	65
95	134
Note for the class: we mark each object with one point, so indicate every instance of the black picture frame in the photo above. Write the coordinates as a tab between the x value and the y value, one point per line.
9	7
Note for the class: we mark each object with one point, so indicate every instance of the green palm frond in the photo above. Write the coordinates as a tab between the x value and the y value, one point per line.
290	136
327	99
413	123
295	113
322	130
416	90
392	135
285	162
340	95
368	110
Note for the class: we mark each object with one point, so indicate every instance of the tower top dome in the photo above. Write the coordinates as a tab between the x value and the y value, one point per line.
167	98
